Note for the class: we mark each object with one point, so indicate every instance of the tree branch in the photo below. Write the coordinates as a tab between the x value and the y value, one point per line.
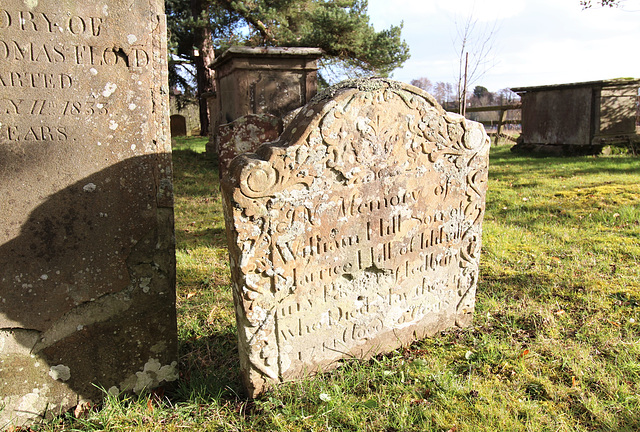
245	13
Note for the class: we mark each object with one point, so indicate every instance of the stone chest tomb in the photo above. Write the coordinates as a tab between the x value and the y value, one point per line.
262	80
579	118
87	268
356	232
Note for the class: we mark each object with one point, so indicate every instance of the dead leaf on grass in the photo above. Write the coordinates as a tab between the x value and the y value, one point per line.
82	410
156	398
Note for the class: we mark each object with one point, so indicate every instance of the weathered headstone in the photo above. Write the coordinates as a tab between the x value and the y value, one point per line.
178	125
87	267
358	231
245	135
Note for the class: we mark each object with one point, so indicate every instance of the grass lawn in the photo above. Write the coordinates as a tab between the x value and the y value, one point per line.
554	346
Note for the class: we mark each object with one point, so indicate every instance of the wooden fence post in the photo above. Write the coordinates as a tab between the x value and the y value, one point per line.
501	118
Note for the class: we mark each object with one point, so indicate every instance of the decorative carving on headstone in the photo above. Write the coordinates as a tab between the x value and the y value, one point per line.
356	232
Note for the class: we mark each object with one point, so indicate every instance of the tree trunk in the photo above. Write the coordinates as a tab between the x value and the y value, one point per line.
204	76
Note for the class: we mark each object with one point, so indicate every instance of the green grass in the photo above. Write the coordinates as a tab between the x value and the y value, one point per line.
554	346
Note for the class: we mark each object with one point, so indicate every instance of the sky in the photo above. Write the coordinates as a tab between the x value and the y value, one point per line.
535	42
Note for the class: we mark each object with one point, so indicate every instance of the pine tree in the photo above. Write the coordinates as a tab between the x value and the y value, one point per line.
199	29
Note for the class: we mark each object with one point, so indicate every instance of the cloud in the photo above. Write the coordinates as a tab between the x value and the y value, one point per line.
538	41
384	13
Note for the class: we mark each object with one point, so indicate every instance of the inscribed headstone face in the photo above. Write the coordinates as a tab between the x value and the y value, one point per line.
356	232
87	267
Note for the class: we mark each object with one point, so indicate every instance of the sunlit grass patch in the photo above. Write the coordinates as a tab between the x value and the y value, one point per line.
554	344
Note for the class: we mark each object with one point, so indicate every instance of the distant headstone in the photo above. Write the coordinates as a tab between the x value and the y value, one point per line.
357	232
178	125
185	115
87	266
245	135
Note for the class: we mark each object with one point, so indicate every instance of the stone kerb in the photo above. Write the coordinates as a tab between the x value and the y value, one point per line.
358	231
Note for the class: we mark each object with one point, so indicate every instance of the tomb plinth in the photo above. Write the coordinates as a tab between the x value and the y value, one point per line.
356	232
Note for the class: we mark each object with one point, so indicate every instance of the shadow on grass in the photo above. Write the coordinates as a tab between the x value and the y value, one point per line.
215	237
209	368
209	361
515	286
189	163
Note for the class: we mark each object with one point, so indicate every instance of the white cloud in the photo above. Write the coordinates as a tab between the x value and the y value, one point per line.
384	13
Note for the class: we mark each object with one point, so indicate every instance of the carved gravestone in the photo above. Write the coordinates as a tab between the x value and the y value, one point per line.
244	135
87	267
357	232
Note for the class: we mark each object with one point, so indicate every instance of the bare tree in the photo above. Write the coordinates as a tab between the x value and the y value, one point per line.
475	44
506	96
586	4
423	83
443	92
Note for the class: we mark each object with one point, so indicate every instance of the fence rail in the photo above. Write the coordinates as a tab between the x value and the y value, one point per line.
502	113
495	108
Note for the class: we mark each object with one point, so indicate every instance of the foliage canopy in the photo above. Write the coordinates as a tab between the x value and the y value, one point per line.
340	27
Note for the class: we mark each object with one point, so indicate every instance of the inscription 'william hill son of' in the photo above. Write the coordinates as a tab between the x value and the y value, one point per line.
356	232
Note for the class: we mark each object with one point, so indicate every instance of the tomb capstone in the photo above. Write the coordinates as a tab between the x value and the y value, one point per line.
356	232
87	264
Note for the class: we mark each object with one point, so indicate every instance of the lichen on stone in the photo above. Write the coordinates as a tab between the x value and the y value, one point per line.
362	84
